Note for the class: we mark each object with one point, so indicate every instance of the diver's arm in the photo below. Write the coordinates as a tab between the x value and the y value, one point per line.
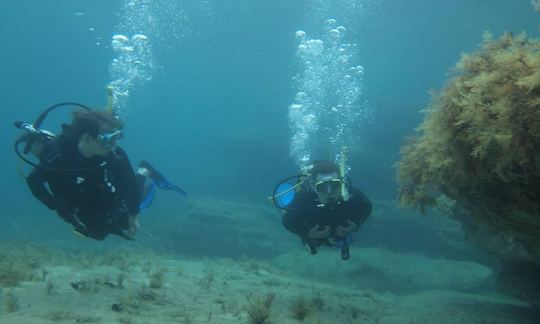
301	217
362	208
128	181
36	182
292	221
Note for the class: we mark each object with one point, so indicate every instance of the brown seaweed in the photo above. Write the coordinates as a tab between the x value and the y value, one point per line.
479	143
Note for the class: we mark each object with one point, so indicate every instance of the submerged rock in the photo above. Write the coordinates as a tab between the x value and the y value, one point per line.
478	150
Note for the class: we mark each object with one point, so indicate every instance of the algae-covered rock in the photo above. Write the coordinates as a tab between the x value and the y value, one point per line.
479	146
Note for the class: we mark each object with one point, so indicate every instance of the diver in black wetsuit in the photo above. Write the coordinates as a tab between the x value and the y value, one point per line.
87	179
326	209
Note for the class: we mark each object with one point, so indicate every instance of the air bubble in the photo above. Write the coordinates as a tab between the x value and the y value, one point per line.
300	35
329	23
300	97
334	34
120	38
295	107
315	46
139	38
327	108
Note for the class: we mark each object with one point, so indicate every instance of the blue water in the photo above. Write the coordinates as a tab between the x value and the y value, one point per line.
214	115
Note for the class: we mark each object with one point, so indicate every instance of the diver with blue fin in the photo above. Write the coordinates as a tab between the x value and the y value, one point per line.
84	175
322	207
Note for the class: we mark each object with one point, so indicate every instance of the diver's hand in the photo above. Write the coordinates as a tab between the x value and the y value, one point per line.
343	231
64	211
316	233
69	215
133	225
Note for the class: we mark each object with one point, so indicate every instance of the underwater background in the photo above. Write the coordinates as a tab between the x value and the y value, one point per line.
209	103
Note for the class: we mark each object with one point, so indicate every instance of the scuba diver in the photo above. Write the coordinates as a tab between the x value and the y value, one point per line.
322	207
84	175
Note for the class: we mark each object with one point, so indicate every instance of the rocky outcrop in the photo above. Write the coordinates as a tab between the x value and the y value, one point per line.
478	150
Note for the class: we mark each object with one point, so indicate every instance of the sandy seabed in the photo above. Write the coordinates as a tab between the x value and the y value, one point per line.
129	285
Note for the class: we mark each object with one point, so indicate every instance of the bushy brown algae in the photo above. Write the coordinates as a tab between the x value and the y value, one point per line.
479	149
479	143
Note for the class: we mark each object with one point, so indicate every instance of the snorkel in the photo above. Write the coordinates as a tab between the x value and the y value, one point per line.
109	139
110	101
343	173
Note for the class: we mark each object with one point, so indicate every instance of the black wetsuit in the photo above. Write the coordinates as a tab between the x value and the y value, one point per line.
102	192
304	214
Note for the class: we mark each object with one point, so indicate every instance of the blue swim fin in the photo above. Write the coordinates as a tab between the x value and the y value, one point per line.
160	180
148	197
166	185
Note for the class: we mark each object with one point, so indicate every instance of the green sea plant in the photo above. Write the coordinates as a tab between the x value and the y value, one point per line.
122	258
146	267
136	302
132	304
86	261
10	274
299	307
120	279
157	279
183	317
479	145
61	316
259	308
49	287
145	294
354	311
11	302
206	281
18	262
126	320
317	301
180	271
42	275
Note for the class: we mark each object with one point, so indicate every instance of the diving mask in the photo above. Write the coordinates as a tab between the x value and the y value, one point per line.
328	185
109	139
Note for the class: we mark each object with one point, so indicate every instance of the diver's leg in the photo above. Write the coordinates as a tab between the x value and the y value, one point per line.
345	252
310	245
150	171
140	178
